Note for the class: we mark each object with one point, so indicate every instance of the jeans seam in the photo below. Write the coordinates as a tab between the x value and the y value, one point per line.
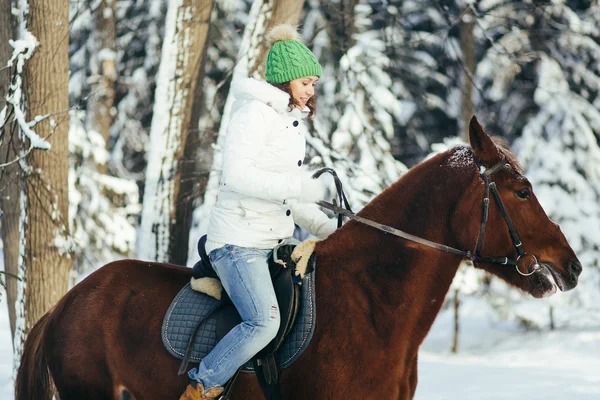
225	251
248	292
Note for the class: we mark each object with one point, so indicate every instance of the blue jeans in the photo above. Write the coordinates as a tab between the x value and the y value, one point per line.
244	273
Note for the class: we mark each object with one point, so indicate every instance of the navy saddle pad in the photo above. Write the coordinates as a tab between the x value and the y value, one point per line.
189	306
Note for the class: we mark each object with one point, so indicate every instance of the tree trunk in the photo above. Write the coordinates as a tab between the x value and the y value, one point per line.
340	26
46	76
280	12
194	168
456	322
9	176
185	37
101	102
467	43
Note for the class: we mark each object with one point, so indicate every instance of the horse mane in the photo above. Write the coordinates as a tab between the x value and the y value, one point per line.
459	158
504	146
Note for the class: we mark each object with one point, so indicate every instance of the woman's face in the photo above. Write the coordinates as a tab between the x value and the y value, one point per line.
303	89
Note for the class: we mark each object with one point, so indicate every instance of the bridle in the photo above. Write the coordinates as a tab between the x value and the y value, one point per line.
489	185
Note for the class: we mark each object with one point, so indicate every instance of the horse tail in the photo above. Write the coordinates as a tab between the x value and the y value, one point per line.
33	377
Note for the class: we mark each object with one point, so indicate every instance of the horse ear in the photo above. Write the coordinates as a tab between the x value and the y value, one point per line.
483	146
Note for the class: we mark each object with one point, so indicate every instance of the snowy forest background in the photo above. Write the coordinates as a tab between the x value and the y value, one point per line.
148	91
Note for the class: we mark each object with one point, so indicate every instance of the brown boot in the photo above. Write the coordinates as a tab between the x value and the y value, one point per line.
198	393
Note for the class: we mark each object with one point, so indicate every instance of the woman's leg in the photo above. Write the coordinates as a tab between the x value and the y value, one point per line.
244	273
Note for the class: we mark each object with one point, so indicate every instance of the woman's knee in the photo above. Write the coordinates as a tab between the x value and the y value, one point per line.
268	325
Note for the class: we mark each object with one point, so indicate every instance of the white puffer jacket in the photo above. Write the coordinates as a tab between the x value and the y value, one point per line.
261	181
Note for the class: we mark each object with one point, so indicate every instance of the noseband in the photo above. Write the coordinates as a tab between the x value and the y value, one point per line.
476	256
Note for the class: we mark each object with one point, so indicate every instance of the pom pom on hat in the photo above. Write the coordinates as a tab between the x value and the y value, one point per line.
282	32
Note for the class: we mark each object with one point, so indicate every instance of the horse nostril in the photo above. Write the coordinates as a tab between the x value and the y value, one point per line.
575	267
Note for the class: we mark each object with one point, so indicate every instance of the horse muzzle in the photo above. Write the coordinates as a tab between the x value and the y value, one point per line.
566	280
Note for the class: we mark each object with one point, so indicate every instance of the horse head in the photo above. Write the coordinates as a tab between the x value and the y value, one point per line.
544	258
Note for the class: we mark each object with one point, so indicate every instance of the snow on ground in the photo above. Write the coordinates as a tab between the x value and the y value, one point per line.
496	360
500	361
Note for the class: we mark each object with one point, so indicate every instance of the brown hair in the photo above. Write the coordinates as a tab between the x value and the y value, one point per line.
311	103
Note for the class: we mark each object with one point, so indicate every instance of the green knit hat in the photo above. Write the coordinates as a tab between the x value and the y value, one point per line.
289	58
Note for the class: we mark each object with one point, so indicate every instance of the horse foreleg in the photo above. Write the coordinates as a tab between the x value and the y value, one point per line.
413	377
408	381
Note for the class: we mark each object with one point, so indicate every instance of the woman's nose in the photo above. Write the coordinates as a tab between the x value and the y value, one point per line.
310	91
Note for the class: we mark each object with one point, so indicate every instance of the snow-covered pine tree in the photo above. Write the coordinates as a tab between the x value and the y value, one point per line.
357	109
140	33
564	162
103	207
506	68
423	45
562	157
539	77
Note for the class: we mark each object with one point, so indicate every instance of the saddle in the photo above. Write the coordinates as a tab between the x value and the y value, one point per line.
224	315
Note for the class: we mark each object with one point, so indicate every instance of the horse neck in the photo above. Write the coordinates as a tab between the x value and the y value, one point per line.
401	284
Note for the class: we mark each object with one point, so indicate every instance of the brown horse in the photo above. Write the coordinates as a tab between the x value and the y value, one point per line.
377	294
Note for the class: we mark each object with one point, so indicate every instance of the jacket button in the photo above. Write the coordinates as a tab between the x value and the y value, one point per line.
288	212
299	162
295	123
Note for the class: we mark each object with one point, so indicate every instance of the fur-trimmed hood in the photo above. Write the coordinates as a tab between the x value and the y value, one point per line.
247	89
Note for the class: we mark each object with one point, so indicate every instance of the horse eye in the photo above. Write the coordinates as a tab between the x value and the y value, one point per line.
522	194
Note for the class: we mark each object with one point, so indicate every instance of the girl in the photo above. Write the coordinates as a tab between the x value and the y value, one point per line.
263	193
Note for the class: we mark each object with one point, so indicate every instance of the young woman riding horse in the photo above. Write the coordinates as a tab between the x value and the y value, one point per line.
377	294
262	194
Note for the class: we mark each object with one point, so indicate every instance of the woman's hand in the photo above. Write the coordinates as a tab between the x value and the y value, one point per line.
312	190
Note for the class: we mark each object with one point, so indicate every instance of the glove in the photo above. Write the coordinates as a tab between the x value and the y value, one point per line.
312	190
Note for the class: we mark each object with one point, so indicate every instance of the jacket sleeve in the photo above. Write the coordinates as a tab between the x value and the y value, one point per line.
246	136
310	217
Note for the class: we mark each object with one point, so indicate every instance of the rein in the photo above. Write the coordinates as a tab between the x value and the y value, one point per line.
476	256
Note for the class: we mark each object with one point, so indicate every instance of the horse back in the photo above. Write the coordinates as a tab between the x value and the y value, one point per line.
108	325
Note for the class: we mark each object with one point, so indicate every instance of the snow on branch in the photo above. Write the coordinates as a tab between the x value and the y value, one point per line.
22	51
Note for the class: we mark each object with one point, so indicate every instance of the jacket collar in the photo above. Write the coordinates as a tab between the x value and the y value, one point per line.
253	89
